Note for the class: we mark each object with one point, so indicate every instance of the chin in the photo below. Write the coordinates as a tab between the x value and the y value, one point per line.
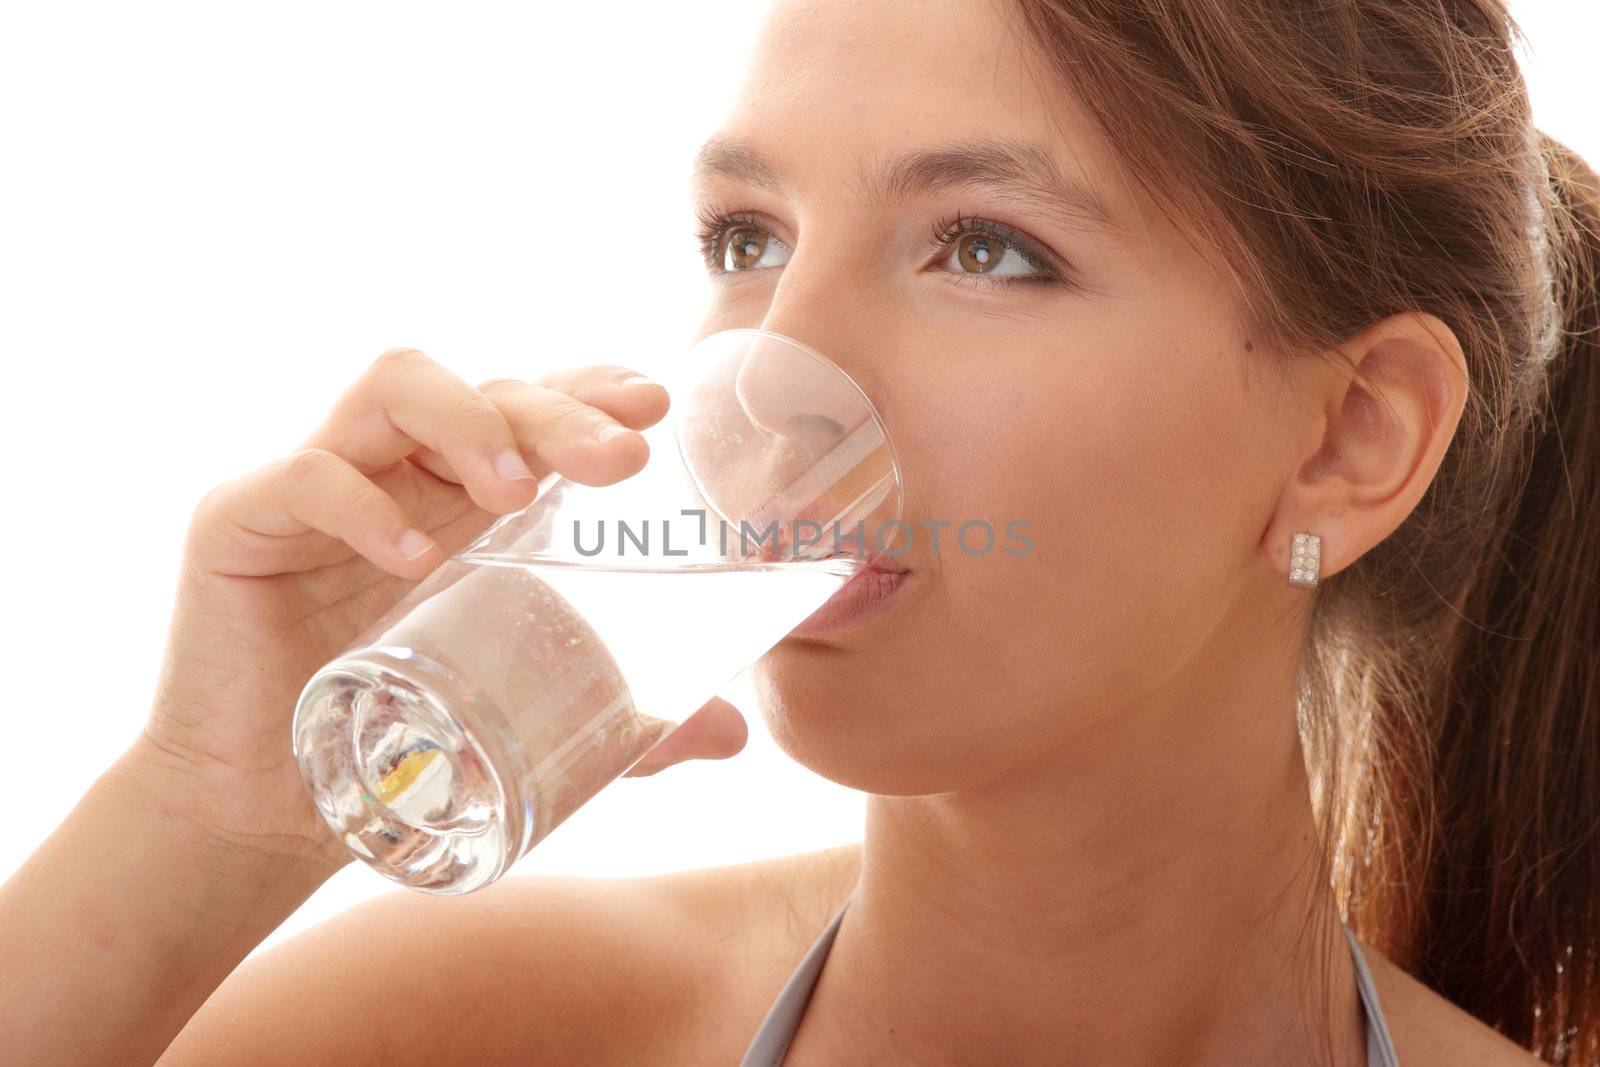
873	734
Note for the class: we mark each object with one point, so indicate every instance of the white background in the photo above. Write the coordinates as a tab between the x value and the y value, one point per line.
214	216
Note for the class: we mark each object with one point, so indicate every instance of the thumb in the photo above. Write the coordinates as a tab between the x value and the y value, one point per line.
716	731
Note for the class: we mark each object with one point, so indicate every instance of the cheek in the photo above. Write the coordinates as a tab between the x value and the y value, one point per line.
1130	467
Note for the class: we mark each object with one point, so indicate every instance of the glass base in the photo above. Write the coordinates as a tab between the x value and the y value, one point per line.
399	781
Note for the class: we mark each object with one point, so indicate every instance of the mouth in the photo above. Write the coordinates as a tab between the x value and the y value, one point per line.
864	594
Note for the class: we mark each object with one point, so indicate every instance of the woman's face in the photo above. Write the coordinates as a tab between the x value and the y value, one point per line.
1083	376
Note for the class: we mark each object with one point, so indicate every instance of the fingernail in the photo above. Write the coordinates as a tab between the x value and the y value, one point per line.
638	379
510	466
608	431
414	544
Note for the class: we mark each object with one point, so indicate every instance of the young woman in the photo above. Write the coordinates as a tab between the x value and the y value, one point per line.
1278	323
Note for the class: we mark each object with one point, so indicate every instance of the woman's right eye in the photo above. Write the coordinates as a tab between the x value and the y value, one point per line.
732	244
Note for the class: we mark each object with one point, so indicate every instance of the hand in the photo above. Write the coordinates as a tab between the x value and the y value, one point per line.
716	731
285	566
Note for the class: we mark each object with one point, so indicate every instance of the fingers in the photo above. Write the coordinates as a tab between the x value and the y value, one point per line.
627	396
715	731
557	419
495	441
238	527
406	399
498	439
560	418
564	433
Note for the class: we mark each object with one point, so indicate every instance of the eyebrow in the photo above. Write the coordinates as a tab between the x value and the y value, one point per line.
1016	169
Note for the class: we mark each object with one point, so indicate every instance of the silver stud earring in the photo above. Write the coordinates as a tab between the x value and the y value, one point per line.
1305	559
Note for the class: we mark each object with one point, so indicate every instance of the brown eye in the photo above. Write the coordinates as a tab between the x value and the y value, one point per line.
983	248
732	244
743	248
979	252
745	245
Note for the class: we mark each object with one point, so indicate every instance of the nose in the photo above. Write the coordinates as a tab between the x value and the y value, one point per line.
797	395
819	306
806	384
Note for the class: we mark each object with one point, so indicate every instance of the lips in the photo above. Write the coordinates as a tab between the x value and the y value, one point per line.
862	594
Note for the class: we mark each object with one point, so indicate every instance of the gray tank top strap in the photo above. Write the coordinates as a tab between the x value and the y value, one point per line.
777	1030
783	1018
1380	1046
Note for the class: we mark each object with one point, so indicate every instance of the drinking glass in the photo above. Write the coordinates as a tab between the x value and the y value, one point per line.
543	660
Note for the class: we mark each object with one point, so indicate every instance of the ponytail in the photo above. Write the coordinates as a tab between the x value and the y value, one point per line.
1509	914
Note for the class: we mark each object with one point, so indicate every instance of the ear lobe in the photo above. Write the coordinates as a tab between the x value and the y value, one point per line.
1388	423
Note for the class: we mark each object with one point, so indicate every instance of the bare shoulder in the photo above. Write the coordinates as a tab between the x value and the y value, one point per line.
670	968
1430	1031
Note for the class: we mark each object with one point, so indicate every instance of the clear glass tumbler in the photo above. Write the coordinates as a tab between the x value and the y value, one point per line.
543	660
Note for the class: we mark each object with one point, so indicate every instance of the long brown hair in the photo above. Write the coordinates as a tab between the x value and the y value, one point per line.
1346	161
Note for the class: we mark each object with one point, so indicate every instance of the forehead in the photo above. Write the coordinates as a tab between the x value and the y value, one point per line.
833	84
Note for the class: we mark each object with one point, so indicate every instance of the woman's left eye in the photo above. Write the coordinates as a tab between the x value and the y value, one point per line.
979	248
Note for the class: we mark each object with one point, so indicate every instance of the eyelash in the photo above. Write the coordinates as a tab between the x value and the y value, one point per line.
713	226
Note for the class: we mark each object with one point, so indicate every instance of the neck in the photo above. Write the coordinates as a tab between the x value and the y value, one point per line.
1150	896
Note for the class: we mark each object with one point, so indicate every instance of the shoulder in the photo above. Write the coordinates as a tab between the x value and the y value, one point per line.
1431	1031
664	969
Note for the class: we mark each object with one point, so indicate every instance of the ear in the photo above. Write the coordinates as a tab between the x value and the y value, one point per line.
1388	410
